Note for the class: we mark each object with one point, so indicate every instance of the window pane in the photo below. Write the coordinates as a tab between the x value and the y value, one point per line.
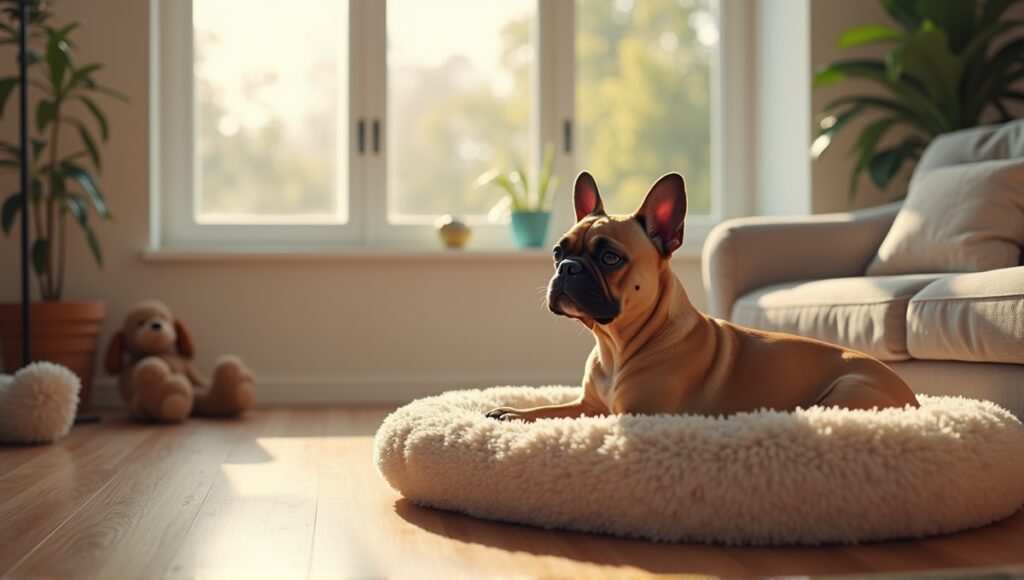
271	87
458	102
643	96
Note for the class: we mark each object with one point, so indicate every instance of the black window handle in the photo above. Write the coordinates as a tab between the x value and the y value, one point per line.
567	135
376	136
361	136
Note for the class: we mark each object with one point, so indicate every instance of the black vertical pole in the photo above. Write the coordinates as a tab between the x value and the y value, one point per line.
26	298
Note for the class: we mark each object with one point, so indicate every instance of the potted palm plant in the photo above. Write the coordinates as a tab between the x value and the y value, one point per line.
530	204
64	160
952	64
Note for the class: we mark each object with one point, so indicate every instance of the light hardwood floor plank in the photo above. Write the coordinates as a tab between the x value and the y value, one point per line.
259	516
292	492
40	495
132	527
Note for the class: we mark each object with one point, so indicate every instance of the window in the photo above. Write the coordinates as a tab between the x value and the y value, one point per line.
643	96
459	102
269	114
363	124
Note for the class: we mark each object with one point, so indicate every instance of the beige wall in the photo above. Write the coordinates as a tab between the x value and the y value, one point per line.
360	328
336	328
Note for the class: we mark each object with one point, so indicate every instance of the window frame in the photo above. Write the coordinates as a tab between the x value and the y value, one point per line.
173	161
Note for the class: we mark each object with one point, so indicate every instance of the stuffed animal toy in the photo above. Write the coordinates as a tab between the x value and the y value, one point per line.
160	383
38	403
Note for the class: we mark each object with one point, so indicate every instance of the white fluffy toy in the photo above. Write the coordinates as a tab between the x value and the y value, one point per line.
37	403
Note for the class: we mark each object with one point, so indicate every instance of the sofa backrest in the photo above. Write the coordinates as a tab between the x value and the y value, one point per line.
985	143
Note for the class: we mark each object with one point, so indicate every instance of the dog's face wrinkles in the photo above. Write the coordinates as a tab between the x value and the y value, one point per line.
609	267
604	269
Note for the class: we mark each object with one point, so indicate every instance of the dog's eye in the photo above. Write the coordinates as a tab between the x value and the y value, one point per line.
557	253
610	258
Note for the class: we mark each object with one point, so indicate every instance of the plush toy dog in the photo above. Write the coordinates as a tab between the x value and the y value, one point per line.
160	383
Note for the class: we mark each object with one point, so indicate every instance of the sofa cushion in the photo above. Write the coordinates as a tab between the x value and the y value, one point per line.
866	314
963	218
969	317
986	143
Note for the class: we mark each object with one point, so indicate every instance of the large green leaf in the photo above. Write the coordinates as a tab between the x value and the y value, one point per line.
45	111
40	255
58	58
90	186
111	93
909	89
97	114
887	162
979	43
906	112
77	208
7	86
839	71
866	34
954	17
12	205
88	142
925	55
829	127
94	244
864	149
992	10
82	75
990	78
904	11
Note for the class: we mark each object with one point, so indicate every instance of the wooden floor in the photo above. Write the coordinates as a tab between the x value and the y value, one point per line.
293	492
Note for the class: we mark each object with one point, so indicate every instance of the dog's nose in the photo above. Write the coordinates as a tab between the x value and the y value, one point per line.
569	267
155	325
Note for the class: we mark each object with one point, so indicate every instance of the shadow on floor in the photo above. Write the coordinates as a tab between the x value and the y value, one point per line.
945	552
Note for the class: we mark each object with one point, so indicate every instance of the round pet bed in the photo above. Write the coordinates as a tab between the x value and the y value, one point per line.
807	477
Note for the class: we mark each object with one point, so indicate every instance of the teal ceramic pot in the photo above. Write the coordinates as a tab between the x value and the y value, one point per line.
530	228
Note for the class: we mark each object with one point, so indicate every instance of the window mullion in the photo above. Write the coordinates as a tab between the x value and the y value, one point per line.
372	85
555	100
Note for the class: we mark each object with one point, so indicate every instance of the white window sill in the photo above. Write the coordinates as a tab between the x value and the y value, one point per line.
359	254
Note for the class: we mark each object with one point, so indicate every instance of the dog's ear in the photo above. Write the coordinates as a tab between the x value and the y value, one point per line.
663	211
585	197
186	347
114	361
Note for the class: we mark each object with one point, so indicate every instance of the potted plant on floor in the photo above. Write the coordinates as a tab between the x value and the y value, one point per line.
64	160
530	206
951	65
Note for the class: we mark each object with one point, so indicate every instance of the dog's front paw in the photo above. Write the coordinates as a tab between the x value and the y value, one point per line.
505	414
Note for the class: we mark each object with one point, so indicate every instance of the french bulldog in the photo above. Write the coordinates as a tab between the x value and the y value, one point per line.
655	353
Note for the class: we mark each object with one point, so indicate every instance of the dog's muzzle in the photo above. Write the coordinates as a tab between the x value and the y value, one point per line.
576	291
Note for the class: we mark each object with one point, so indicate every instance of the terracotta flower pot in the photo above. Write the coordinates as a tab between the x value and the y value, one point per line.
62	332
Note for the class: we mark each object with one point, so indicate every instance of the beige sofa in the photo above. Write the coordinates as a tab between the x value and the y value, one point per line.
948	334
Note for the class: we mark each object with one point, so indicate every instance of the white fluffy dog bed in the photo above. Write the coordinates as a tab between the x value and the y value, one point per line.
808	477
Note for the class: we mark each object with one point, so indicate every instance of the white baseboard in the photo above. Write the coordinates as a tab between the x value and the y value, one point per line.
354	390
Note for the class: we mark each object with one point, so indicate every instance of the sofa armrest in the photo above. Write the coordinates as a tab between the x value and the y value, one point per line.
741	255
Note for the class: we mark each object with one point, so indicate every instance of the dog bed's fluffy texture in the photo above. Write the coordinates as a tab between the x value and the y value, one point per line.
807	477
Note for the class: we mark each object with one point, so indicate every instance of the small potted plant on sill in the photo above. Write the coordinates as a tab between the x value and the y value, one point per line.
530	206
63	164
